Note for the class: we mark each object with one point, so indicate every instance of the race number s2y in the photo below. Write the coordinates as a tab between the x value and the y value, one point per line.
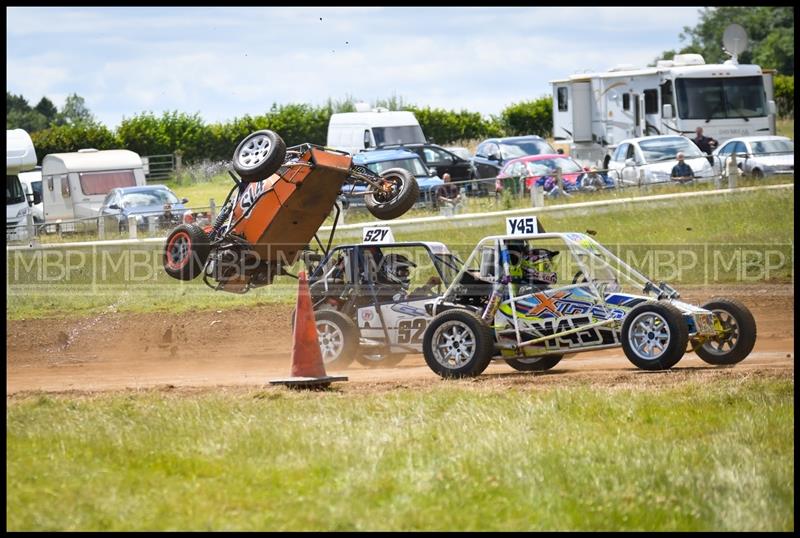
377	234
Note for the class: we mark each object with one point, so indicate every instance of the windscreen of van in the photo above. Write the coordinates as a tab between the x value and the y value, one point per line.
14	192
103	182
405	134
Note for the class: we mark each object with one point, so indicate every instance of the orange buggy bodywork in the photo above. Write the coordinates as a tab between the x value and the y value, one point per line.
280	215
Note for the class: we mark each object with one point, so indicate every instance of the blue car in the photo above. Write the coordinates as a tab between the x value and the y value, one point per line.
152	202
384	159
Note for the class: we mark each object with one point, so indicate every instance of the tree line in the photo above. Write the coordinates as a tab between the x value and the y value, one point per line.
74	127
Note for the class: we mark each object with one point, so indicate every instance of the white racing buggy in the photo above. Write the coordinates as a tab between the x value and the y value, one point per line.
369	298
532	299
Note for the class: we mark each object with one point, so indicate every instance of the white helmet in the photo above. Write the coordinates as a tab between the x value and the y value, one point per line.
396	269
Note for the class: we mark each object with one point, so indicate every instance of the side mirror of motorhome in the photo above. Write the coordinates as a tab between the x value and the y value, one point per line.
366	139
630	162
666	113
771	106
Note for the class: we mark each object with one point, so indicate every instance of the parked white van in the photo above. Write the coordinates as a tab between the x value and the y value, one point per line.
20	155
356	131
32	185
75	184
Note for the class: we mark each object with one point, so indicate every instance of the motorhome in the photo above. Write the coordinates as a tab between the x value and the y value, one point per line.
74	185
593	112
20	156
356	131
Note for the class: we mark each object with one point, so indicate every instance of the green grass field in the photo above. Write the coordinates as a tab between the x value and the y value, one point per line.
131	279
459	456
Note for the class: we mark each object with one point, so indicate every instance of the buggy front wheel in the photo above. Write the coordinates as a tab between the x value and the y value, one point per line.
737	336
458	343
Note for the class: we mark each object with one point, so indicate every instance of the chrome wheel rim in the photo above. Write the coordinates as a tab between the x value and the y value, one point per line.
255	151
716	346
454	344
649	335
331	340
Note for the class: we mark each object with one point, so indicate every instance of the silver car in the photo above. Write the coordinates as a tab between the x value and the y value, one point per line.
649	159
759	156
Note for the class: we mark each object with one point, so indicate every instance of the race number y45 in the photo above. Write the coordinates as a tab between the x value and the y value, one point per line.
377	234
521	225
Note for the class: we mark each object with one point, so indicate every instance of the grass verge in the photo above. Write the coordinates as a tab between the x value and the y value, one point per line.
459	456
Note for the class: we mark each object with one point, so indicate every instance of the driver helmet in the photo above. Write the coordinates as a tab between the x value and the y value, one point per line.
517	251
396	269
538	266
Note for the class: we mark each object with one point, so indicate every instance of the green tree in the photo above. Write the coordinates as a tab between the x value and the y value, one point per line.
770	33
75	111
16	102
47	109
529	117
68	138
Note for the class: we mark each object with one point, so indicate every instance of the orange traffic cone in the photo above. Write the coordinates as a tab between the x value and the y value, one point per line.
308	370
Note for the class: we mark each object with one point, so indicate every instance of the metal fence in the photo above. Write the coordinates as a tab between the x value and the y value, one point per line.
149	224
724	172
158	167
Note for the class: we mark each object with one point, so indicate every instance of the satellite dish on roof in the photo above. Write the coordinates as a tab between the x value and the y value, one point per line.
734	40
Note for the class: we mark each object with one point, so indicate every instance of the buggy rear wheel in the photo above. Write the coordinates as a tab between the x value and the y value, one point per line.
654	335
535	364
401	194
738	333
259	155
379	360
185	252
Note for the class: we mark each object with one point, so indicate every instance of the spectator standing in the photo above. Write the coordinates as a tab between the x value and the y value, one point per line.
706	144
681	172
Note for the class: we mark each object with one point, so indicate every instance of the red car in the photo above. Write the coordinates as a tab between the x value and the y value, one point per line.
540	168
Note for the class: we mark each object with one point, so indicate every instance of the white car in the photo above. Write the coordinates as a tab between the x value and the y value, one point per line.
650	159
759	156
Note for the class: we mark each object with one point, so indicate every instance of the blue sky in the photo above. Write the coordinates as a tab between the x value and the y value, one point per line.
227	62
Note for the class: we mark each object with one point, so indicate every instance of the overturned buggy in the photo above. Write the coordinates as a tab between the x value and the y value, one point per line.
280	199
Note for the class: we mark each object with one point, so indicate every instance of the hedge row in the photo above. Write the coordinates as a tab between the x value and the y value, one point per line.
148	134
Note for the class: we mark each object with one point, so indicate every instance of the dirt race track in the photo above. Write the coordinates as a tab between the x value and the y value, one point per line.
248	347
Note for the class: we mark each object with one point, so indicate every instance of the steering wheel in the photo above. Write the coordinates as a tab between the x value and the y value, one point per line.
578	276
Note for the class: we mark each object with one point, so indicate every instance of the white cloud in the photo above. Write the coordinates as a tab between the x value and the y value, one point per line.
229	62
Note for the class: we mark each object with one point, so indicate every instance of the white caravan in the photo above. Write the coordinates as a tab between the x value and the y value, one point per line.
356	131
593	112
74	185
20	156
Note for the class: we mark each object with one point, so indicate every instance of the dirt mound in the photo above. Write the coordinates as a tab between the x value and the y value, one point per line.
248	346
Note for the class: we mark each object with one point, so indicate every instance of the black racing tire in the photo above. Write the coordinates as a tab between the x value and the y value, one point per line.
186	252
337	335
378	360
259	155
403	197
459	331
740	327
535	364
666	329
